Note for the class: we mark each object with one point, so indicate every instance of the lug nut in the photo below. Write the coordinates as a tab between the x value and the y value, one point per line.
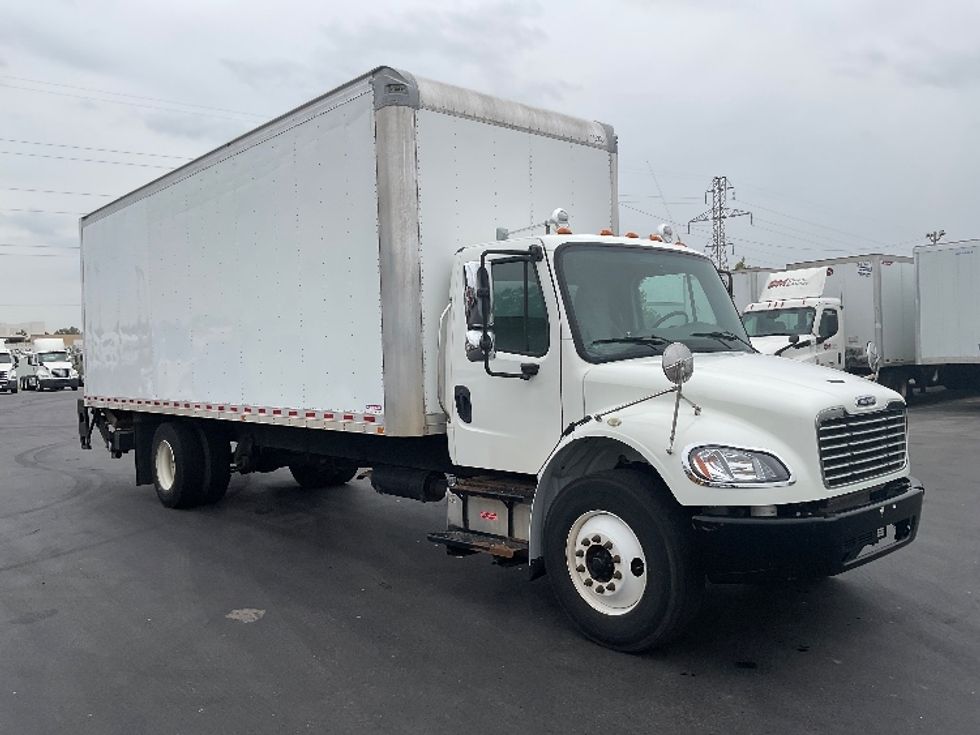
611	587
579	552
600	589
587	582
585	542
616	559
579	569
617	575
607	545
597	538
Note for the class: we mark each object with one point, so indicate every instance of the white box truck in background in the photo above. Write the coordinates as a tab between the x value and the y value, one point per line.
747	284
8	369
947	318
48	367
826	312
544	385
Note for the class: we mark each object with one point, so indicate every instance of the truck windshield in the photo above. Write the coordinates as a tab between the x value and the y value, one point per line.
632	301
779	321
52	356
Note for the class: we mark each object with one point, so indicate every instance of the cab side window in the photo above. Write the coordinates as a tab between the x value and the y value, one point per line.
828	324
520	318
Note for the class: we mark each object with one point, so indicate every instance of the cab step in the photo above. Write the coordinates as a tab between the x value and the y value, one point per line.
508	489
462	543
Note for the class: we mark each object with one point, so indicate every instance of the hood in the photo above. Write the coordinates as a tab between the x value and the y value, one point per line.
768	344
743	382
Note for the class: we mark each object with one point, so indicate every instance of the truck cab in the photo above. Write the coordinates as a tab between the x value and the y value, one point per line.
808	329
8	369
589	365
48	367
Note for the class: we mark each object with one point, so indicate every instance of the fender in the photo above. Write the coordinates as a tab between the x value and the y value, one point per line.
592	447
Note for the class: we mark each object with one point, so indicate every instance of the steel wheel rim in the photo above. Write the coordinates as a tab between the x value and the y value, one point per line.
166	465
606	562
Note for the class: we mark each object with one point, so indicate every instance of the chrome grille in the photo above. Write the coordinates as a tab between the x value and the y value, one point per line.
59	372
856	447
3	374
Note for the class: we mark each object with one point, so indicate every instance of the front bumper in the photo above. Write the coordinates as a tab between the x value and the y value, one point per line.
48	383
756	549
7	384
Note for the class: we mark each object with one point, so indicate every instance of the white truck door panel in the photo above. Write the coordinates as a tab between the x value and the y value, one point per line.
505	422
830	351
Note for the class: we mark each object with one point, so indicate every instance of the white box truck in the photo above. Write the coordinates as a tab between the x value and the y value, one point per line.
8	369
947	327
48	366
826	312
747	284
586	404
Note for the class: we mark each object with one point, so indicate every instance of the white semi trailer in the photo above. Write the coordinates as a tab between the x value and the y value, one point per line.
947	328
327	293
826	312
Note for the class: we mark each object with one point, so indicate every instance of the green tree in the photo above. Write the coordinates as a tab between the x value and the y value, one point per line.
68	330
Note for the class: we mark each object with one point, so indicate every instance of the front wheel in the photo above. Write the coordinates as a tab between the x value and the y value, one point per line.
621	561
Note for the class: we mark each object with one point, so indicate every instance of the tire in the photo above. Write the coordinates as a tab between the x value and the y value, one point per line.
659	589
178	465
13	390
330	473
217	464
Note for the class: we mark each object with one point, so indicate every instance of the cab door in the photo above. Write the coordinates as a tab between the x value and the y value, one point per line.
504	402
830	341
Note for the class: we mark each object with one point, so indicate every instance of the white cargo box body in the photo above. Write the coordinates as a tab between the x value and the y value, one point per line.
747	284
297	274
878	296
947	324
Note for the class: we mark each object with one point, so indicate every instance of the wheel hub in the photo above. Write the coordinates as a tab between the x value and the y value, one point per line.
606	562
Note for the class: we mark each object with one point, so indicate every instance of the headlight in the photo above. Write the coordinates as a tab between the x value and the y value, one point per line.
731	467
72	373
12	374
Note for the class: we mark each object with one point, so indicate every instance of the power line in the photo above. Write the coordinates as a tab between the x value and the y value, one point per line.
51	191
663	199
815	224
39	211
85	160
131	96
99	150
643	211
36	245
122	102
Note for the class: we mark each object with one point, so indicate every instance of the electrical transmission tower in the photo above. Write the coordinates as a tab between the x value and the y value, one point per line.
717	215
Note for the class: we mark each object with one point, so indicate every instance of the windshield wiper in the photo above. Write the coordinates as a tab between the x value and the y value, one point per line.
652	341
724	337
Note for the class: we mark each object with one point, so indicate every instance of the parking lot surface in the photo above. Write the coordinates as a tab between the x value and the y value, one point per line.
284	610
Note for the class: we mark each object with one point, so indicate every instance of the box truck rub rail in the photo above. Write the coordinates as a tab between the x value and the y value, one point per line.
324	293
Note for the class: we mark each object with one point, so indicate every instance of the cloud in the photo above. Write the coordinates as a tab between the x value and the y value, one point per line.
917	65
44	40
211	131
36	227
262	75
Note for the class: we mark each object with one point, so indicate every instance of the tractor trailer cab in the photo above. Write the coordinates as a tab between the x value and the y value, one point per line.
8	369
49	367
586	405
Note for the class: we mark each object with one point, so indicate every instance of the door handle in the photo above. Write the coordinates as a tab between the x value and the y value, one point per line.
464	406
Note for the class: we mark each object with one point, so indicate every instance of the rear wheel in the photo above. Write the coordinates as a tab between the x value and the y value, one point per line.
329	473
217	465
178	465
621	561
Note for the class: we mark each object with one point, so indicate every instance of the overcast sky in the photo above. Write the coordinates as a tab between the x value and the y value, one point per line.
846	127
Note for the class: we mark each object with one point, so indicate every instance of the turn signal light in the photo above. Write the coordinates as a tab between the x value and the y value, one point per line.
631	234
656	238
564	231
605	231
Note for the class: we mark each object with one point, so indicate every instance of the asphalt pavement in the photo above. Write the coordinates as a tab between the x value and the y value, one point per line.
283	610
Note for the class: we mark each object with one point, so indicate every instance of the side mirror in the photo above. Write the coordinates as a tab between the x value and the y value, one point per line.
871	352
678	363
476	298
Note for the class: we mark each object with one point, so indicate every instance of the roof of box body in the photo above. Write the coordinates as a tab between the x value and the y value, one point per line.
391	87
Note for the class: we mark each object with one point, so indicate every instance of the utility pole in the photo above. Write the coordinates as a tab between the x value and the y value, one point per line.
934	236
717	215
